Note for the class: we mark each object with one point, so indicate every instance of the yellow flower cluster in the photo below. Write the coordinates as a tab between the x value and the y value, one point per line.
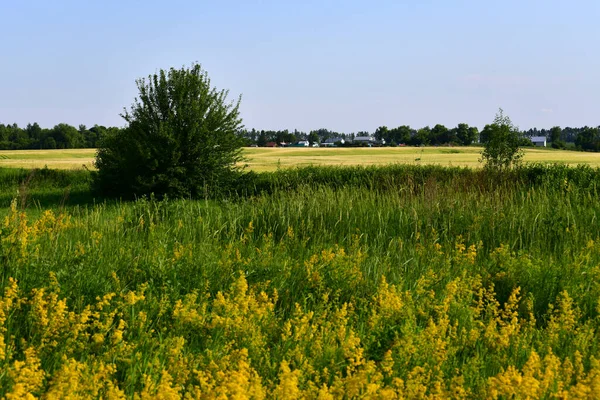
18	236
109	350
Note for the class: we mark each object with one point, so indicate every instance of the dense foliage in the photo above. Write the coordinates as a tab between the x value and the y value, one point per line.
64	136
181	139
554	134
501	142
422	282
589	139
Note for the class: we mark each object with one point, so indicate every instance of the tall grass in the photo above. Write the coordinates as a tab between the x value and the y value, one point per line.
45	188
397	281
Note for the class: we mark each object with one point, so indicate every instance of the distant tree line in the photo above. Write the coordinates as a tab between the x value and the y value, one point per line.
65	136
586	138
61	136
567	134
263	137
462	135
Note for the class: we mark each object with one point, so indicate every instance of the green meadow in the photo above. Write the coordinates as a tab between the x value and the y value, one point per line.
403	281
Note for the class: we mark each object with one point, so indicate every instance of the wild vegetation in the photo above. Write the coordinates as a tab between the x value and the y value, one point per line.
396	282
65	136
390	282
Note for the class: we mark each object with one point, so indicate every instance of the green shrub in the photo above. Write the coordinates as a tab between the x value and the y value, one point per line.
502	143
181	140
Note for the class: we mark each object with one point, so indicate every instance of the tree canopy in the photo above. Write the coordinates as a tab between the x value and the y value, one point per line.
182	139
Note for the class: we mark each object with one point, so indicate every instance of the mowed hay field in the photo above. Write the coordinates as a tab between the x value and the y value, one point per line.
57	159
270	159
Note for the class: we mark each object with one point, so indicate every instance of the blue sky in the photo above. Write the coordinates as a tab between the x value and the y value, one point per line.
343	65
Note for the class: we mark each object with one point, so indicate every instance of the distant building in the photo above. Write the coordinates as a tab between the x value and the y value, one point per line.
301	143
368	140
271	144
538	141
333	141
364	139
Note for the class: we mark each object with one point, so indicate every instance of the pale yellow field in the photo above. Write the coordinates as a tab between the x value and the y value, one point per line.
58	159
269	159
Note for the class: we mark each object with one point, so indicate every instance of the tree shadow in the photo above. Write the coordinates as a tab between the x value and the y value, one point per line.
54	199
48	189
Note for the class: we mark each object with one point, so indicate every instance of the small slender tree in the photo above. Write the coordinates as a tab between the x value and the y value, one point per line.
555	138
182	139
502	139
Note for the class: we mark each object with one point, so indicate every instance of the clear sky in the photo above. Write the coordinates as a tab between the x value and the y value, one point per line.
343	65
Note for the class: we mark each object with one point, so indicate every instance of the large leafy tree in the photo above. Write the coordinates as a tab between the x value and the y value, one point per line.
465	135
383	133
421	138
555	134
66	136
399	135
439	135
182	139
35	133
502	140
588	139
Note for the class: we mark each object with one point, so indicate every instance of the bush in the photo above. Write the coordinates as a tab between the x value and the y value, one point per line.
181	140
502	143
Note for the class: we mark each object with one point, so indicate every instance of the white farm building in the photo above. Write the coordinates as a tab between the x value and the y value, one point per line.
538	141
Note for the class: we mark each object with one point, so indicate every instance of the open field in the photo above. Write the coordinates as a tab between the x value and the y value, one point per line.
400	282
269	159
57	159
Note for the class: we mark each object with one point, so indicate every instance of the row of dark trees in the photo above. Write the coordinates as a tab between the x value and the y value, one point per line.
65	136
262	137
61	136
438	135
584	138
588	139
556	133
463	135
